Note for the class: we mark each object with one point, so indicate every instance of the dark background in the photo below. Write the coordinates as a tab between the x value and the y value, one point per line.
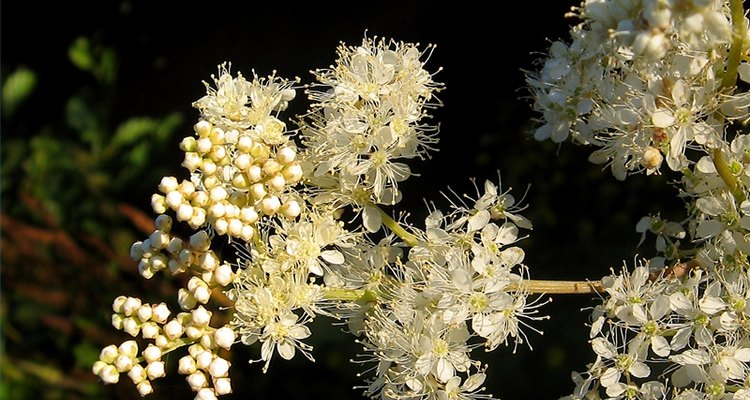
584	220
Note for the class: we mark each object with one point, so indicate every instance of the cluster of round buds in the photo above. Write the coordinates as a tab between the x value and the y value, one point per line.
237	179
241	159
116	360
162	250
207	372
134	317
153	323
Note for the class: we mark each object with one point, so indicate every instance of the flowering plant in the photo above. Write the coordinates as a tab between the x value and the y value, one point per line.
304	211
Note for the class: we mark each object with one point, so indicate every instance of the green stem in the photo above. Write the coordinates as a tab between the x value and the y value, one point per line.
728	81
399	230
350	294
181	342
735	50
726	174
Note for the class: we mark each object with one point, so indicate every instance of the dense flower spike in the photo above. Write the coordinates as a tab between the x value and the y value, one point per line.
279	199
648	82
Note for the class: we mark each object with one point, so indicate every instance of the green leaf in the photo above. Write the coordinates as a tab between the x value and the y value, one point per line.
138	157
168	126
17	88
80	116
107	68
133	130
85	354
80	54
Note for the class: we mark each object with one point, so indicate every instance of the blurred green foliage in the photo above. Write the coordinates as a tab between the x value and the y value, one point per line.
67	228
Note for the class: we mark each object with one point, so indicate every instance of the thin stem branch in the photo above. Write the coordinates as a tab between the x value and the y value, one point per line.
735	50
728	81
396	228
559	287
726	174
349	294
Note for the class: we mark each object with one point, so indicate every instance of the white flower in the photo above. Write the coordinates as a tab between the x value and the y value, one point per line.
284	335
444	350
630	362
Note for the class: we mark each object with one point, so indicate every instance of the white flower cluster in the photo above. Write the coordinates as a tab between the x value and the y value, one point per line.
646	81
161	250
418	313
643	80
692	330
463	280
369	117
242	162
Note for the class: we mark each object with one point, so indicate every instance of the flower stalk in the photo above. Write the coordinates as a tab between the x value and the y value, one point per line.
408	238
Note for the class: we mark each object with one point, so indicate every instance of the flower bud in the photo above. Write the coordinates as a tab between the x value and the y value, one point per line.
248	215
159	239
291	209
243	161
123	363
117	321
244	144
203	359
151	353
224	337
219	368
186	365
205	394
188	144
131	326
109	354
131	305
223	275
184	212
173	329
144	388
136	251
137	374
98	367
160	313
270	205
222	386
247	233
118	303
161	341
197	380
286	155
168	184
200	241
292	173
203	145
202	128
144	312
109	374
129	348
155	370
258	191
149	330
201	317
174	199
254	173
